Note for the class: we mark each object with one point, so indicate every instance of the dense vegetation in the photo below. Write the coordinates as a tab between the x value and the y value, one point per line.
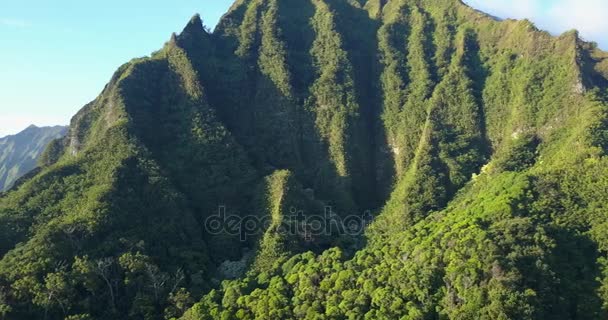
479	146
19	153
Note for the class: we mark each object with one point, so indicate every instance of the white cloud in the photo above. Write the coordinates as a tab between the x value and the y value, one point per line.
16	23
516	9
588	16
556	16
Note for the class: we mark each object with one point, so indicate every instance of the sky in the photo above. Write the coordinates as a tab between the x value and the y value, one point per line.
57	55
590	17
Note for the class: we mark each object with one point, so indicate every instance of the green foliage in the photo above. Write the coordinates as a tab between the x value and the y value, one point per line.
479	146
521	154
332	94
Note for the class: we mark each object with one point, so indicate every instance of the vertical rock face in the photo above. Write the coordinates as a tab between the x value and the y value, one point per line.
478	146
19	153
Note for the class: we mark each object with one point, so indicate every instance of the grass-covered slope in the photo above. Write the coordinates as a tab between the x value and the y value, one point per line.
19	153
110	226
483	141
478	146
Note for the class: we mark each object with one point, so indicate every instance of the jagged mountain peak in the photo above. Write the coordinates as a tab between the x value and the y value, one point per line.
196	21
195	28
195	25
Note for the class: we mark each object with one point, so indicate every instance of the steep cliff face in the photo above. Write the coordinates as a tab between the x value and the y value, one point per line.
462	133
477	145
19	153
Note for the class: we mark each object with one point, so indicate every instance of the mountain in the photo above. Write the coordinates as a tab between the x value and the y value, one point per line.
229	174
19	153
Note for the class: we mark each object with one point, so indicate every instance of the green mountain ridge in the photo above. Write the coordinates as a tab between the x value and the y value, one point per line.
19	153
479	146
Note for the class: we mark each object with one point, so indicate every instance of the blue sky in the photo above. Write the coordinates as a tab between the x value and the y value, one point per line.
58	54
590	17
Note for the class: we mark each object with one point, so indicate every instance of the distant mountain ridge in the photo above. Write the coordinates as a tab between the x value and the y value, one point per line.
19	153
